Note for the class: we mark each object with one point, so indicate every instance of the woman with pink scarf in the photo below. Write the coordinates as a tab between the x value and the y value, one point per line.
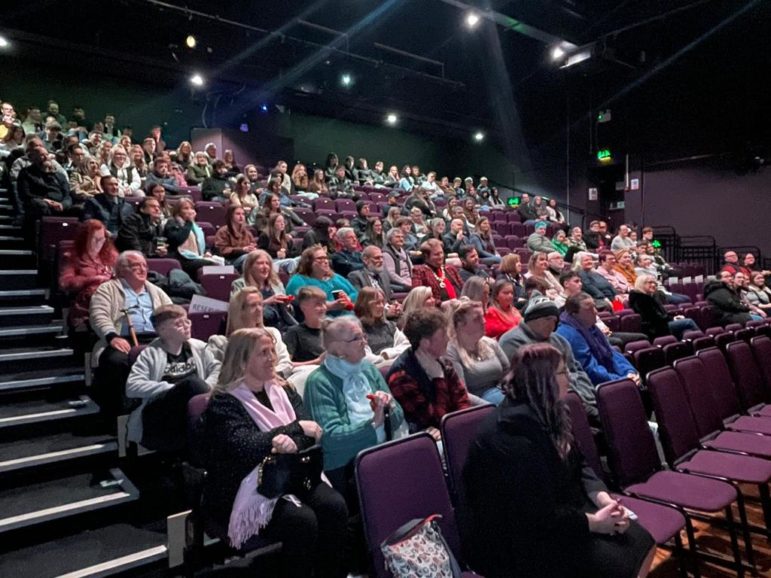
249	417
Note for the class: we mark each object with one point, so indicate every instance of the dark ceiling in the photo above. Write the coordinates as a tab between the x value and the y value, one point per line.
417	57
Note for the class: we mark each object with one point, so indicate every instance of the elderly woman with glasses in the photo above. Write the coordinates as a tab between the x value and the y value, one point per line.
348	397
646	301
314	270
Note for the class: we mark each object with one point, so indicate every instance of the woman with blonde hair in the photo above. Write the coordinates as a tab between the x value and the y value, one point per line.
385	340
244	312
249	418
260	273
538	268
417	298
478	360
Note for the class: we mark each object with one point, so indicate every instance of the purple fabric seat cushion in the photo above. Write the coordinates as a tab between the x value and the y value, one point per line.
742	442
691	492
662	522
740	468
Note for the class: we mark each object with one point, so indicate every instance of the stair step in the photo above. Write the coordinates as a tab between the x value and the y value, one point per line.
90	554
29	330
7	229
22	358
40	411
23	295
41	502
37	379
17	258
22	315
18	279
59	447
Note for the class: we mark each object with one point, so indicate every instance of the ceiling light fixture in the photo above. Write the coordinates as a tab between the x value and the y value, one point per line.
346	80
479	136
472	19
392	118
190	41
4	42
196	80
557	52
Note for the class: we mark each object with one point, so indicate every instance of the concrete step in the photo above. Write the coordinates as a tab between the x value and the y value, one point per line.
33	412
17	258
29	380
22	454
93	553
26	316
34	504
23	358
11	241
24	331
18	279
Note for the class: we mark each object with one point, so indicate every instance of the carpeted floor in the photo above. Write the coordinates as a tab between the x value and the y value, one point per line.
716	541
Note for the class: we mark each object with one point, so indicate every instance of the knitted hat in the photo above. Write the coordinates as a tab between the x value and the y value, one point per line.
539	307
540	224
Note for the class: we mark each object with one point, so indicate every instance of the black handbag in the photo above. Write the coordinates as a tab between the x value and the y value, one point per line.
281	474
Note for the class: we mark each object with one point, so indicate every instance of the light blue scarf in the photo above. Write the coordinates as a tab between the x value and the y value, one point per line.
200	239
355	389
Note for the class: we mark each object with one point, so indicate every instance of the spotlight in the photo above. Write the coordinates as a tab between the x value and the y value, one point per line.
190	41
263	108
4	42
346	80
391	118
472	19
557	52
196	80
479	136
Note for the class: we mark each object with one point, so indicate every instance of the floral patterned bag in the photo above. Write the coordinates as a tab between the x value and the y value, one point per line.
418	550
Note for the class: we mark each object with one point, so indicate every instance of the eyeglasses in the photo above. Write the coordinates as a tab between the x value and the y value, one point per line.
137	266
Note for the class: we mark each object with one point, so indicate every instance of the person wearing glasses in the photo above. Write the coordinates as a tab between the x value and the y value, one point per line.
118	307
167	374
314	270
347	396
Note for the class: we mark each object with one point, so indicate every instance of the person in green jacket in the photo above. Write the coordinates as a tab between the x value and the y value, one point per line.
348	397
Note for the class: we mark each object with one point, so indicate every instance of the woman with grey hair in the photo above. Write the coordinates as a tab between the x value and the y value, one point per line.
349	398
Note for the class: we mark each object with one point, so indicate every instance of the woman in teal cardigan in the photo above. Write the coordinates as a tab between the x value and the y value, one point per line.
313	269
347	397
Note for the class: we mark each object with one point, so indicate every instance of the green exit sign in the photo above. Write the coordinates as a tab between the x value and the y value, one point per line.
603	155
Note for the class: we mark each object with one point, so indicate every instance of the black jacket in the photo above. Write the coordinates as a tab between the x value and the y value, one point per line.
655	319
112	213
523	505
725	300
138	233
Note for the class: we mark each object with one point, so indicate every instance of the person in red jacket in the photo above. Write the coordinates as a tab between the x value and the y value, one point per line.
501	315
89	264
444	280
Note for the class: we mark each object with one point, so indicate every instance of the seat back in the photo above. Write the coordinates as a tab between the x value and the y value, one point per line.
693	376
720	382
631	323
664	340
459	429
218	286
632	454
692	334
677	429
646	360
677	350
582	433
703	342
761	349
163	266
52	231
211	212
399	481
746	374
633	346
206	324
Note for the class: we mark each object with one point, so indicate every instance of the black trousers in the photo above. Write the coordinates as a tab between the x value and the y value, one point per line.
110	380
313	536
164	418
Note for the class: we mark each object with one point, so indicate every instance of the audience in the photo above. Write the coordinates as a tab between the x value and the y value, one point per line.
385	340
511	270
89	264
278	243
397	261
260	273
469	259
533	507
538	241
590	347
622	241
142	230
169	372
721	294
538	268
422	381
120	314
645	301
374	275
501	316
482	240
303	340
250	417
186	240
313	270
757	293
108	207
444	280
348	258
234	241
478	360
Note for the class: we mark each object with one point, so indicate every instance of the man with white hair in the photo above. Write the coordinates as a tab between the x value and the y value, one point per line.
372	273
396	260
121	310
623	240
348	258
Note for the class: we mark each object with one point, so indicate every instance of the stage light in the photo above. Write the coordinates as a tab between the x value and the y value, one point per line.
196	80
346	80
472	19
4	42
264	108
557	52
479	136
190	41
391	118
